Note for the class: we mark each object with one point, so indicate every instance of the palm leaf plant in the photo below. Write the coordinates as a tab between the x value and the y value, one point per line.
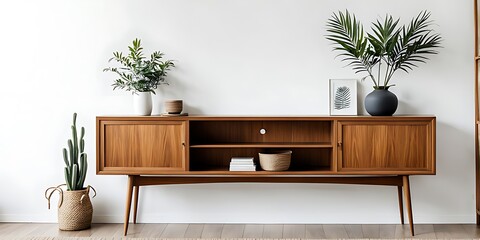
137	73
387	49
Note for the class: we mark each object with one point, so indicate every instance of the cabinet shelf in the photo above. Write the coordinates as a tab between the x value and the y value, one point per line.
264	145
303	159
292	171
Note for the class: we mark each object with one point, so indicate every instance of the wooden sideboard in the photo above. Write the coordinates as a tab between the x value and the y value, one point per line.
326	149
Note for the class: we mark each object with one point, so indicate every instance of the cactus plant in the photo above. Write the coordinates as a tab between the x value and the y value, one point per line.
75	170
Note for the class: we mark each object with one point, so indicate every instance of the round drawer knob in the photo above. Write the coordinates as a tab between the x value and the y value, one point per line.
263	131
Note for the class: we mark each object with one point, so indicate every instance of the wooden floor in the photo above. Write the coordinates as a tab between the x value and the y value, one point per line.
114	231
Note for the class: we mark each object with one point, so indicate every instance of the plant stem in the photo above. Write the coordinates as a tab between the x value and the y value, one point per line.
390	74
372	77
379	68
387	72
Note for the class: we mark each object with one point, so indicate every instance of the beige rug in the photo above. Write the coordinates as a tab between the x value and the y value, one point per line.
124	238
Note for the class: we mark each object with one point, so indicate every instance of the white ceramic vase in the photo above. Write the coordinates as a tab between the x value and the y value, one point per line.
142	103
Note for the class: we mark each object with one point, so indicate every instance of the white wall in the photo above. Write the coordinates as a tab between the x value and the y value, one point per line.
240	57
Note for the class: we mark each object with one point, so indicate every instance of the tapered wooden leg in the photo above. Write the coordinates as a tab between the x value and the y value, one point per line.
135	203
400	203
478	217
408	202
128	204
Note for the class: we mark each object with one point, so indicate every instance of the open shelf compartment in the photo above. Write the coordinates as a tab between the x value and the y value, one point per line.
303	159
261	132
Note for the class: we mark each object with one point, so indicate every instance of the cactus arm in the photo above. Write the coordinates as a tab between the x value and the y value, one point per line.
67	179
82	146
69	171
75	119
75	140
80	172
83	170
82	133
80	178
65	156
82	142
75	144
70	149
75	176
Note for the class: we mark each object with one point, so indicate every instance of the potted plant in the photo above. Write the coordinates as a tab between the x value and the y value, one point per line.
74	208
389	48
140	75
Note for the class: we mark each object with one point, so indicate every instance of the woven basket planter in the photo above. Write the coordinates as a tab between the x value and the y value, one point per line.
74	209
279	161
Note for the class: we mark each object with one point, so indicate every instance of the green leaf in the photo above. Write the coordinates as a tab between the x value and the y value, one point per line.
347	33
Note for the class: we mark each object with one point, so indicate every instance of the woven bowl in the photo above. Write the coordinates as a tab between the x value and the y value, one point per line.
173	106
279	161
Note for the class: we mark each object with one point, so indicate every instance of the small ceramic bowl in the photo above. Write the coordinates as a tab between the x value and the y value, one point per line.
173	106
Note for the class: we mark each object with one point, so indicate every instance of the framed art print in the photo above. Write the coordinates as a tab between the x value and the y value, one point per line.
343	97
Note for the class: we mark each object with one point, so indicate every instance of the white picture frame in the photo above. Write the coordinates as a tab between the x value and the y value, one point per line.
343	97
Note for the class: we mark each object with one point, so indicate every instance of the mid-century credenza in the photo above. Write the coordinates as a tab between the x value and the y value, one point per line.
157	150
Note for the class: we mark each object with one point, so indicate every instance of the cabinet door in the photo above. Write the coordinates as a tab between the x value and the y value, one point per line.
386	147
142	147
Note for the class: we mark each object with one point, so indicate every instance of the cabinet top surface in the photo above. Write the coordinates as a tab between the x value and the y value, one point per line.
266	117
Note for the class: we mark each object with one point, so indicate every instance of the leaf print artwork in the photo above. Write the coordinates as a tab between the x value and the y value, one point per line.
342	98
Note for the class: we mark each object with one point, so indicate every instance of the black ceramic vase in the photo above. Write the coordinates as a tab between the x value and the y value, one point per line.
381	102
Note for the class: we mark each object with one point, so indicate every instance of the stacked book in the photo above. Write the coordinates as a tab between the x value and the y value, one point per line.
242	164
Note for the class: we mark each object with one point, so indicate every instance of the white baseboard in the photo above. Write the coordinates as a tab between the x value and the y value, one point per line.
155	218
227	219
26	218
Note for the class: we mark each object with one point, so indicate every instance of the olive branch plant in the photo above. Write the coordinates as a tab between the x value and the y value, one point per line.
390	47
137	73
